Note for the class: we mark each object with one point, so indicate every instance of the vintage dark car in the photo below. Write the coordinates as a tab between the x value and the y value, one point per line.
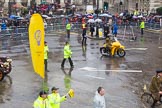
5	66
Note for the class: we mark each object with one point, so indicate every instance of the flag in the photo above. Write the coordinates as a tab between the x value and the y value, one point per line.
36	41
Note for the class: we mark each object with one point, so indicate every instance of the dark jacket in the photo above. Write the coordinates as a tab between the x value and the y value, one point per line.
106	29
155	84
92	28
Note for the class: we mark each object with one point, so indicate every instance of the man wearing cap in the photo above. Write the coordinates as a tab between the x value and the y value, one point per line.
55	99
42	101
156	86
46	51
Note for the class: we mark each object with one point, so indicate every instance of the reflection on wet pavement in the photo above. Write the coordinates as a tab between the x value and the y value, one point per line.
119	90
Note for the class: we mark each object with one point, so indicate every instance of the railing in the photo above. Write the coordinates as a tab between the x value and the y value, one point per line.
153	26
22	32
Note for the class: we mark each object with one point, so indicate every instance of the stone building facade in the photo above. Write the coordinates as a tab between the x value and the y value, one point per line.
146	6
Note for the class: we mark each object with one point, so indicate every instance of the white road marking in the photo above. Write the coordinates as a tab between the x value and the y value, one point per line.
94	69
159	47
94	77
87	68
126	71
136	49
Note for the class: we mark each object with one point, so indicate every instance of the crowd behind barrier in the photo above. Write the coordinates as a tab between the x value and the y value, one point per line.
17	32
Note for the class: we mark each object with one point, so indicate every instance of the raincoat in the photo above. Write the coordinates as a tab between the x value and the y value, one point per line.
99	101
40	103
67	51
55	100
115	29
46	50
68	26
3	26
142	25
156	86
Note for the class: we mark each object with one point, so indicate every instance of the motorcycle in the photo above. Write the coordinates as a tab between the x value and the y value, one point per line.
5	67
115	49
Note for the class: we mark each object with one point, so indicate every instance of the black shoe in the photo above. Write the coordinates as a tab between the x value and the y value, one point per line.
153	105
72	66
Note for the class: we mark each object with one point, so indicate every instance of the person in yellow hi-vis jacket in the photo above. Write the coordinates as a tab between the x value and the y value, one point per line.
55	99
68	28
46	51
67	55
142	26
136	13
42	101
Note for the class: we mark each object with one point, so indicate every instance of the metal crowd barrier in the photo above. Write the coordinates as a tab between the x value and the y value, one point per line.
16	33
61	27
155	26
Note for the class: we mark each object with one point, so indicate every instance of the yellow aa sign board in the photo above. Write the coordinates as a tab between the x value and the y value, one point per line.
100	32
71	93
36	39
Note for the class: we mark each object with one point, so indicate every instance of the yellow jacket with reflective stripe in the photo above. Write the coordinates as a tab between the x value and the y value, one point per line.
136	13
68	27
67	51
46	50
83	26
142	25
55	100
40	103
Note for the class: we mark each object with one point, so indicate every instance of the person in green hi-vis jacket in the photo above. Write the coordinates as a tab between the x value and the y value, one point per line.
55	99
142	26
42	101
67	55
